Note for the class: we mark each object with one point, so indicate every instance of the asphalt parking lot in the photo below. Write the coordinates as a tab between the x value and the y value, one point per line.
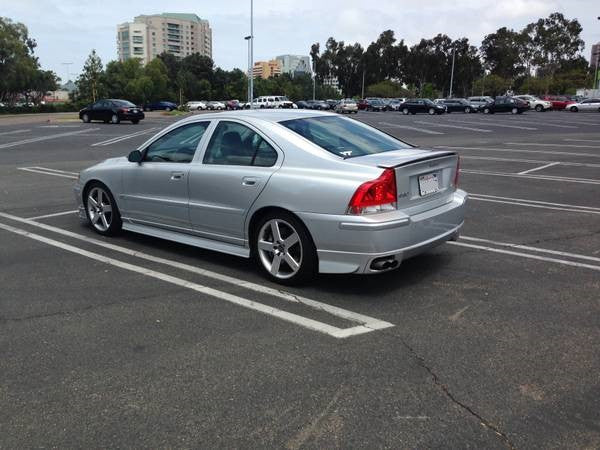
489	342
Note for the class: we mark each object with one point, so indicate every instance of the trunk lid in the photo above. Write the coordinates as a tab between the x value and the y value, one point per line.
424	178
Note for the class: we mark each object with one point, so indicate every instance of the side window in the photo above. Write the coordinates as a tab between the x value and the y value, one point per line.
179	145
99	105
237	145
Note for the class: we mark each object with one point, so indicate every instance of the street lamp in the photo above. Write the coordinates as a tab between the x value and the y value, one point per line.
452	72
249	93
251	54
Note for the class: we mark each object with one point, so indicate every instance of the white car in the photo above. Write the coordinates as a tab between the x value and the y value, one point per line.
535	103
196	106
590	104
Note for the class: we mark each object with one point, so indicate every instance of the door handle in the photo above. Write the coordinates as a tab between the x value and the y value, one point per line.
249	181
176	176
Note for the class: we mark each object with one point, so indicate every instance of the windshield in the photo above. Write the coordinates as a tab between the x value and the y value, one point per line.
344	137
124	103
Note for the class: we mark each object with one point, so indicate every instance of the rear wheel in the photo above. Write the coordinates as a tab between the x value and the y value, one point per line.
514	111
573	109
115	119
486	110
284	249
167	109
101	210
431	111
468	109
405	111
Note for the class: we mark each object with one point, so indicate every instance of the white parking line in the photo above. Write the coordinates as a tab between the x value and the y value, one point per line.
407	127
533	249
553	125
495	125
552	145
47	216
533	177
517	150
533	161
526	255
481	130
46	138
45	172
535	169
124	137
534	203
582	140
4	133
54	170
366	323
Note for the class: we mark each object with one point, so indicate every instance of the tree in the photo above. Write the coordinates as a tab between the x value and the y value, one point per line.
89	83
491	85
503	53
388	89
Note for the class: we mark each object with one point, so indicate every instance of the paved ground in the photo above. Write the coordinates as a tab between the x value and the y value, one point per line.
495	340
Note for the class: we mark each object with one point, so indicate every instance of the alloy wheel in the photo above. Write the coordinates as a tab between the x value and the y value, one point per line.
99	208
86	118
279	248
114	118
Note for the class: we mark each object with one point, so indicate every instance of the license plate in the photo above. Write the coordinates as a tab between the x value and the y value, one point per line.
134	111
428	184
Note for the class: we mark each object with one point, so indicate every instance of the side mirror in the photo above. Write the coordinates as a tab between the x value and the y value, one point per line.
135	157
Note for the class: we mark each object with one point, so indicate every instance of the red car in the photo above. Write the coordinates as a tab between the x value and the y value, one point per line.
363	104
558	101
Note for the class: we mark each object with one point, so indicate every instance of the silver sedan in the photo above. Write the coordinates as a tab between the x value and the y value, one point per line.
301	192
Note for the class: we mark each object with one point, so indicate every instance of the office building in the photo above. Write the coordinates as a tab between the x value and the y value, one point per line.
150	35
294	64
266	69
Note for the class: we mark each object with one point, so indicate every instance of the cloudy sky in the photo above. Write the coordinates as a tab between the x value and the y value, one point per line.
66	30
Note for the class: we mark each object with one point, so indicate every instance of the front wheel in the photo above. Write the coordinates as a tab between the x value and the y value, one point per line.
115	119
405	111
467	110
539	108
101	210
486	110
514	111
431	111
574	109
85	118
284	249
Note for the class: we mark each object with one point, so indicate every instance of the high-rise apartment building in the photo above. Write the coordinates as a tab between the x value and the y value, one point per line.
294	64
150	35
266	69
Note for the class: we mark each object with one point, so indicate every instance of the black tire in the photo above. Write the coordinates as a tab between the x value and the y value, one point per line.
405	111
487	111
539	108
309	261
514	111
573	109
431	111
468	110
86	118
135	121
167	109
115	119
116	223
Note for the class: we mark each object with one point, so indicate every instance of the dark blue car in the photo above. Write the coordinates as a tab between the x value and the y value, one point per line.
160	106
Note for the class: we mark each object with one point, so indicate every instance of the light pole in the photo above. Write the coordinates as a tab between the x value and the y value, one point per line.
362	95
248	38
452	72
251	54
68	65
596	83
314	76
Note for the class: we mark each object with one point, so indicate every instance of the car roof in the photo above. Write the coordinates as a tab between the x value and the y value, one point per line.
269	115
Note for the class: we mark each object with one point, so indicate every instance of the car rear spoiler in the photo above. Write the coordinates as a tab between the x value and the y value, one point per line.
438	154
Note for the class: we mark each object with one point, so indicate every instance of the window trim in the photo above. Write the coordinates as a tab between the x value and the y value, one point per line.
201	144
212	129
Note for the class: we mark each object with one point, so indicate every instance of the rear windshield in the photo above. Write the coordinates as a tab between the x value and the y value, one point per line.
123	103
344	137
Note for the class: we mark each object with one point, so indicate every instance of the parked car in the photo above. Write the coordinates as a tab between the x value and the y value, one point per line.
421	105
366	200
301	104
362	104
394	104
476	102
535	103
346	105
111	110
458	105
283	102
233	105
196	105
375	104
505	104
332	103
160	106
320	105
590	104
558	101
215	105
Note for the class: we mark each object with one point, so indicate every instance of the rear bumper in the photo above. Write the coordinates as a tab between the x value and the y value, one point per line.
131	116
350	244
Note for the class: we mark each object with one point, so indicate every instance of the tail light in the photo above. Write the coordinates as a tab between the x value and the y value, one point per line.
376	195
457	173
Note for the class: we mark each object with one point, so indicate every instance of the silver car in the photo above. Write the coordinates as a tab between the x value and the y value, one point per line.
590	104
299	191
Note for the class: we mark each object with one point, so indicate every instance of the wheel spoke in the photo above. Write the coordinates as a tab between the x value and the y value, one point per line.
107	208
291	240
104	221
95	217
291	262
92	201
275	231
265	245
99	199
275	264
